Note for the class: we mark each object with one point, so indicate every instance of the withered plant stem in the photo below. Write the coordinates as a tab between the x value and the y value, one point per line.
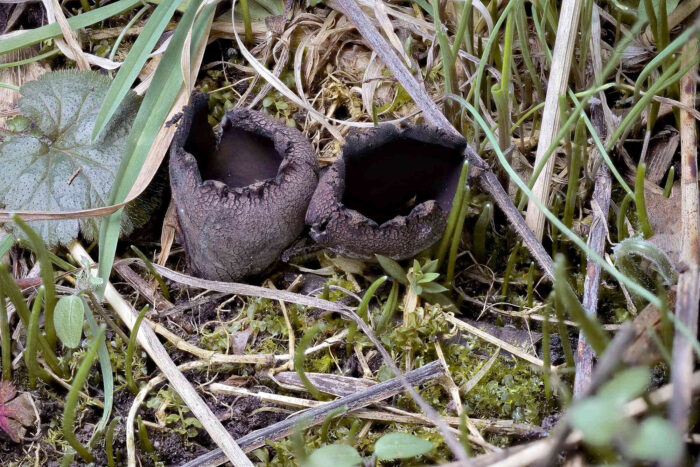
596	241
316	415
688	294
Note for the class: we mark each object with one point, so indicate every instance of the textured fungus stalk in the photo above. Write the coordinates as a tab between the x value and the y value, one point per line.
241	197
389	193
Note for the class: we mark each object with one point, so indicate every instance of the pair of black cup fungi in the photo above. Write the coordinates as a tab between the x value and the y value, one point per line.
244	196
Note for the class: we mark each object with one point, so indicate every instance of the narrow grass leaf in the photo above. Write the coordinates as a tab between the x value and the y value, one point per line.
6	243
162	93
629	282
138	54
34	36
107	377
392	268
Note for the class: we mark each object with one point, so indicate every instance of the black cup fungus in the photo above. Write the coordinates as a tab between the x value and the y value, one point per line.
389	192
241	197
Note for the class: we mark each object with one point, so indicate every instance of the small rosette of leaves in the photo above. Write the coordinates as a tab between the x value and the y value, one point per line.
52	164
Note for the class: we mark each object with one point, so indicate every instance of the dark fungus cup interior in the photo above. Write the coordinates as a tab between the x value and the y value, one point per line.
389	193
241	196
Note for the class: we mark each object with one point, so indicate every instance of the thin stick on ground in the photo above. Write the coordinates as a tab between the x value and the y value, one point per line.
600	206
463	326
596	241
388	414
562	57
316	415
688	294
138	400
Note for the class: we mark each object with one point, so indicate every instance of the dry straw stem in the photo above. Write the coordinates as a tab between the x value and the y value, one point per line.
596	241
70	47
494	340
507	427
688	294
210	355
562	58
149	341
316	415
600	206
478	167
149	293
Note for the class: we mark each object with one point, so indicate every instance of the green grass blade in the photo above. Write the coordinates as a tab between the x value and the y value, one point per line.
134	62
454	212
36	58
567	300
107	377
47	277
475	90
640	202
166	85
679	42
34	36
630	283
6	243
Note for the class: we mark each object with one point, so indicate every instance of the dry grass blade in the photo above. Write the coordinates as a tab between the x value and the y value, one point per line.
599	229
269	77
494	340
471	384
149	341
556	86
55	13
396	416
384	51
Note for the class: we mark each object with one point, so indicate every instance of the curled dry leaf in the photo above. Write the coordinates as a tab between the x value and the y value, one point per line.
241	197
389	193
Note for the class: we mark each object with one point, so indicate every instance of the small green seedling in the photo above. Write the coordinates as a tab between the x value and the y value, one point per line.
390	447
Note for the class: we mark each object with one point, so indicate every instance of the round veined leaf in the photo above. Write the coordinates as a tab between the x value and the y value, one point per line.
334	455
656	441
626	385
599	419
55	165
400	446
68	319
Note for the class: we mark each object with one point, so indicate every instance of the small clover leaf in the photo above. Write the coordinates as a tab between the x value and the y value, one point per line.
400	446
